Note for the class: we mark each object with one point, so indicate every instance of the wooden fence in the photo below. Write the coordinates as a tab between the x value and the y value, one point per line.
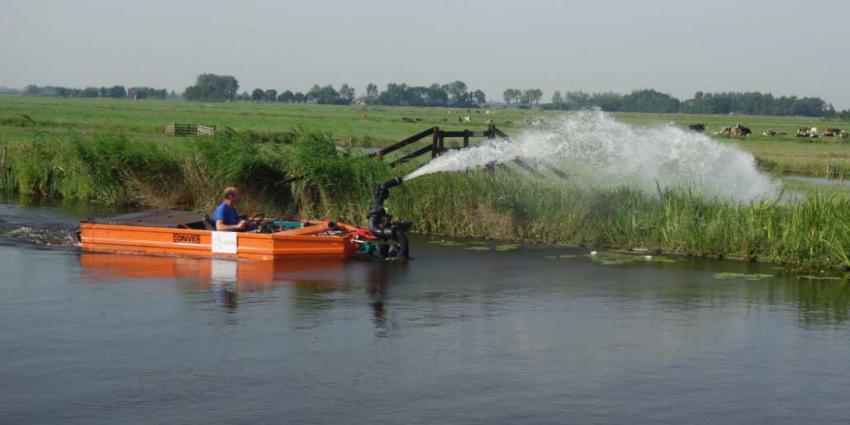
437	146
177	129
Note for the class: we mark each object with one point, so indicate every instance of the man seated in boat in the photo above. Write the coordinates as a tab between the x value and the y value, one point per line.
226	218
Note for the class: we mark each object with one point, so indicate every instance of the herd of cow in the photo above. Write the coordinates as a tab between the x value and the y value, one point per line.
740	130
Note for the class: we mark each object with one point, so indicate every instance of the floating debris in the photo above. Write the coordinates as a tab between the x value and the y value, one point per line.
443	242
507	247
745	276
477	248
618	258
811	277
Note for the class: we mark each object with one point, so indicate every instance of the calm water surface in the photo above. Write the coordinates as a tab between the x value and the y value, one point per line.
456	336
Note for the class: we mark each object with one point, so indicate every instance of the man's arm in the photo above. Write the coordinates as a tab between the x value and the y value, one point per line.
221	227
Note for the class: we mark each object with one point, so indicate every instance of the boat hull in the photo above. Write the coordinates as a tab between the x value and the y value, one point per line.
308	241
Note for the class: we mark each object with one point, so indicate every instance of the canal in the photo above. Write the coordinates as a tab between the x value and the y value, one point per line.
465	333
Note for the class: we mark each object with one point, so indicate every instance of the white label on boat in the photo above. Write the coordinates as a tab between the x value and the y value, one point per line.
224	242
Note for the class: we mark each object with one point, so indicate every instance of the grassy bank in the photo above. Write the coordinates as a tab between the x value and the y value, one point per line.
309	177
810	234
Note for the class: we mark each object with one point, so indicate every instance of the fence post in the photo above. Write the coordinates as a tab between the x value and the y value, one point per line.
466	138
435	143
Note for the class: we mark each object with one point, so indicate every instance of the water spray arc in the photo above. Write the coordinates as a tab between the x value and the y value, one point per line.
607	152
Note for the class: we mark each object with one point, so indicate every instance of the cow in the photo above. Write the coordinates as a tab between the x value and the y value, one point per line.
740	130
737	130
697	128
831	132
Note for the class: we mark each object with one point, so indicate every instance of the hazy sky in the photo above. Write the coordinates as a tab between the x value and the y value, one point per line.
677	46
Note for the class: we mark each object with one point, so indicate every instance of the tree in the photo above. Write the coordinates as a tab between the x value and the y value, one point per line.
286	97
479	97
91	92
115	92
650	101
531	96
270	95
346	94
458	95
371	93
557	99
299	97
512	96
212	88
258	95
324	95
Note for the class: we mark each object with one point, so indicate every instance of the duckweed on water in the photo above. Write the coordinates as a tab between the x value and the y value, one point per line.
507	247
810	277
443	242
745	276
618	258
478	248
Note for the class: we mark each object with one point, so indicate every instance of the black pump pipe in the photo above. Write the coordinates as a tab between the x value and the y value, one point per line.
377	213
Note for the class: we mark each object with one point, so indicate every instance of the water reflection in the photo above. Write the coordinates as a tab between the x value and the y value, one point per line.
223	283
313	283
479	284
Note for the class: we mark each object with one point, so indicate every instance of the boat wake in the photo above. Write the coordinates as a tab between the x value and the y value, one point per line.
36	226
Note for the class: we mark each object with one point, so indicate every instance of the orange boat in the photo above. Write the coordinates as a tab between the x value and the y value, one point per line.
186	233
194	234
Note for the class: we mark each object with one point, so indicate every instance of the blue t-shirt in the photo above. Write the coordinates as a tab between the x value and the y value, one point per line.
226	213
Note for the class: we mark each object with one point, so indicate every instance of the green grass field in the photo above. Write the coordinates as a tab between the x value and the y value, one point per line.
378	126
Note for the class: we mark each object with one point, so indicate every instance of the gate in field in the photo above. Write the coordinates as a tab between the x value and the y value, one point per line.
178	129
436	146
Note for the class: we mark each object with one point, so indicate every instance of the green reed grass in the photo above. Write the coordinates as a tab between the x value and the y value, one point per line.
307	176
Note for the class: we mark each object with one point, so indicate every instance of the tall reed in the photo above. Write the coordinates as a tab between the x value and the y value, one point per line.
310	177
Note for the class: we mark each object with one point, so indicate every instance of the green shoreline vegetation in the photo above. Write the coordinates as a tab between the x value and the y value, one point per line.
299	171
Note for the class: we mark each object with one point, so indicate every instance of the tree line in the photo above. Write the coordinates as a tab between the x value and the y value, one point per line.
218	88
114	92
749	103
456	94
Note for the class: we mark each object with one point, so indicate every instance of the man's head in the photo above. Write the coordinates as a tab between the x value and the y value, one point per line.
231	194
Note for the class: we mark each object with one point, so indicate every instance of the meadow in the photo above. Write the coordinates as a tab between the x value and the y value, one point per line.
293	160
23	119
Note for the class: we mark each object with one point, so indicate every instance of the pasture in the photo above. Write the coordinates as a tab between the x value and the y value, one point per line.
23	119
